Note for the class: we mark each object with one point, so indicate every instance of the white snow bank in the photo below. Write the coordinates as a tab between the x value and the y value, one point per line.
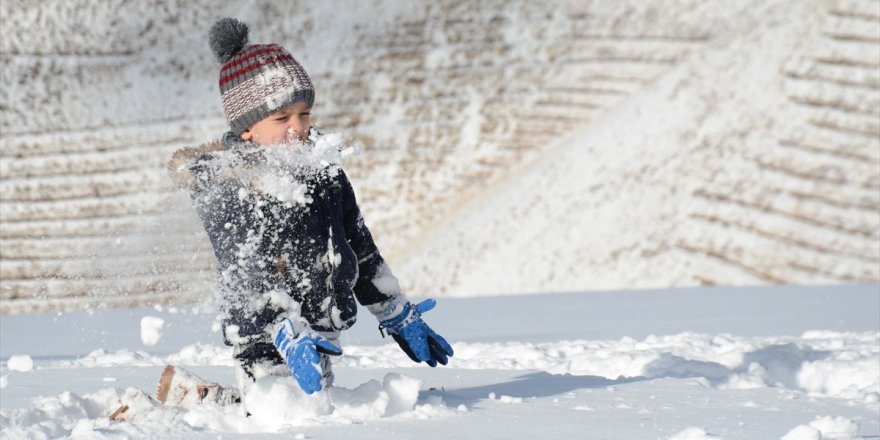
845	365
201	354
103	358
276	404
20	362
507	355
827	427
190	355
151	329
830	364
850	372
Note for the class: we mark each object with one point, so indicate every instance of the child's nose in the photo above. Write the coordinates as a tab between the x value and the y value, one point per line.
296	127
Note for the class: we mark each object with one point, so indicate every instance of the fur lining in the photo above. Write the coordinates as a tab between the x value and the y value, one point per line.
183	159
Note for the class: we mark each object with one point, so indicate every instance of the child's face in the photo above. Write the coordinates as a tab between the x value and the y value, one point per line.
289	124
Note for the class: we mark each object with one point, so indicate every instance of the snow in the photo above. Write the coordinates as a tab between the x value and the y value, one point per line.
731	363
612	205
693	433
20	362
278	402
826	427
803	432
151	329
835	427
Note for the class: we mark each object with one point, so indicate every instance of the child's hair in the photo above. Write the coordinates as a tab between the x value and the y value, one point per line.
256	80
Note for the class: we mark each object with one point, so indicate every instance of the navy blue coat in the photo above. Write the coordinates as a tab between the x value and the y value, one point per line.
320	254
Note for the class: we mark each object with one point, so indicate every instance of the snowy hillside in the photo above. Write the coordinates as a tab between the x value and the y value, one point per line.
729	169
510	146
711	363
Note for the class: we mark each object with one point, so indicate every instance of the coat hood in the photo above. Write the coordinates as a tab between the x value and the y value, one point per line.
231	158
183	160
188	165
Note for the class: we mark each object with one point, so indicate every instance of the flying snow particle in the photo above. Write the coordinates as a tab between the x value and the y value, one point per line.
151	329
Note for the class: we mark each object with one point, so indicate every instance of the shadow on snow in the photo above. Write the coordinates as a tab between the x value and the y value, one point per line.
780	363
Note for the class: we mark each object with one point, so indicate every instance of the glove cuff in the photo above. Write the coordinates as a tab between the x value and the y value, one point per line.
388	309
288	331
407	316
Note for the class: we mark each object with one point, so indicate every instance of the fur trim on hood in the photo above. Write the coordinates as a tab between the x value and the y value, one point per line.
232	159
181	163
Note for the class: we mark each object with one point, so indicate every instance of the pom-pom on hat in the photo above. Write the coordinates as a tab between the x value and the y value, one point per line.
256	80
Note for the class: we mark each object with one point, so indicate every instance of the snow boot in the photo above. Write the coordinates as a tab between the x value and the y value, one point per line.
132	403
180	387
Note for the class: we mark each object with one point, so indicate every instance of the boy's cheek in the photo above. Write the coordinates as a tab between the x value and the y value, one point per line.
274	137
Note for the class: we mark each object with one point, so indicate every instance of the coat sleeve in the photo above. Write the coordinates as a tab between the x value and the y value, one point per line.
244	279
376	287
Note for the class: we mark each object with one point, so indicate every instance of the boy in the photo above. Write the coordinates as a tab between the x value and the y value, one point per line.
292	249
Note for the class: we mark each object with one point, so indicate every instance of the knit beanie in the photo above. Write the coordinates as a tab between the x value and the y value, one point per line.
256	80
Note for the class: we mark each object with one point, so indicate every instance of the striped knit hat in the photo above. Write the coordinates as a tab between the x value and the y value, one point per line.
256	80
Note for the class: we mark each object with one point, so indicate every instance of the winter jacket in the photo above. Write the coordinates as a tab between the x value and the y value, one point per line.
299	247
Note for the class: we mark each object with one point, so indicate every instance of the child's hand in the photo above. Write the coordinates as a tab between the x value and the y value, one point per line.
414	336
301	349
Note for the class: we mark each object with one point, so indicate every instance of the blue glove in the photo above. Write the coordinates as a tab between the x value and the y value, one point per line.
416	339
301	349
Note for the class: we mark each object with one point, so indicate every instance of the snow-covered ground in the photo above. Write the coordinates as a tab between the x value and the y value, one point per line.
733	363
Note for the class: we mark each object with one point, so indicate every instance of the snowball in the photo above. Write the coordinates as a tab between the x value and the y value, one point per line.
276	403
402	391
151	329
693	433
509	399
4	382
20	362
802	432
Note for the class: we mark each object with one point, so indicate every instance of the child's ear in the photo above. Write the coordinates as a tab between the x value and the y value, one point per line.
246	135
